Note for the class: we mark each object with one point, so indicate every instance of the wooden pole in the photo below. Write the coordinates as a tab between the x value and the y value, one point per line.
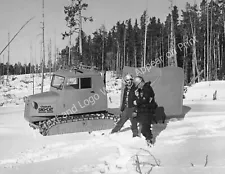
146	28
8	58
43	44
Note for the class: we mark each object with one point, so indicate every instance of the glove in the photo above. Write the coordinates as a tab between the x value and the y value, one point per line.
120	114
134	114
136	93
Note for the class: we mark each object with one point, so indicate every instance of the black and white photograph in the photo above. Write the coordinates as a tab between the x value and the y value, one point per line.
112	86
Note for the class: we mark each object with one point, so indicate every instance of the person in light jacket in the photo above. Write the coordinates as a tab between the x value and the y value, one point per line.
127	107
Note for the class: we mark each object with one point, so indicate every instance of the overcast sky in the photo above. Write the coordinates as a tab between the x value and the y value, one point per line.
14	13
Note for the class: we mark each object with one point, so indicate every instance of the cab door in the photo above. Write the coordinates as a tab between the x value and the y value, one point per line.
86	99
78	94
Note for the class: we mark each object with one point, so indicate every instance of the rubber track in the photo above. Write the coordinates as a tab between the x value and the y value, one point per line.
52	126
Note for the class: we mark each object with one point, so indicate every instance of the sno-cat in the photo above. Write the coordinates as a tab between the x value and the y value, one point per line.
76	102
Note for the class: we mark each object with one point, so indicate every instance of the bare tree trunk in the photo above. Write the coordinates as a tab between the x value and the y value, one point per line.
160	52
8	58
151	47
204	58
163	49
3	71
193	50
30	59
103	47
43	44
168	49
124	48
221	57
210	47
117	57
50	57
0	72
80	30
208	78
215	59
193	67
184	60
135	57
69	59
218	50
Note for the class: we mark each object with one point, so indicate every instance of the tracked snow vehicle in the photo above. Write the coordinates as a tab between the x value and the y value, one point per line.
76	102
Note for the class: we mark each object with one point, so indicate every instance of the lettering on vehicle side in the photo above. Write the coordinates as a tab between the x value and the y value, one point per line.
45	109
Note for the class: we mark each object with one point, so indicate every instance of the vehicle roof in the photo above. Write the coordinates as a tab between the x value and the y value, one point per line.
74	73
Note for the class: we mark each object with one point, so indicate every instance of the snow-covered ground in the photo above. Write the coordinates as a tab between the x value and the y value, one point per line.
195	144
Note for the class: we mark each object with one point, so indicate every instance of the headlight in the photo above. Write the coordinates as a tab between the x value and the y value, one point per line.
35	105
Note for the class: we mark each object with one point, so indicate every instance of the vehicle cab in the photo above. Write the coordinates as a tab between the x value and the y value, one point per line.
71	92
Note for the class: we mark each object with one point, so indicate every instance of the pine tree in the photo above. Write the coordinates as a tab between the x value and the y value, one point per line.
74	19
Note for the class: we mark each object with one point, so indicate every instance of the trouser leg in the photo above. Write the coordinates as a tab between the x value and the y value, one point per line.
133	121
139	128
120	123
134	127
146	131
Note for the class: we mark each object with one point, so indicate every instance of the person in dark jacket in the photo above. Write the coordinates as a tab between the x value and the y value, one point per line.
145	105
127	107
153	106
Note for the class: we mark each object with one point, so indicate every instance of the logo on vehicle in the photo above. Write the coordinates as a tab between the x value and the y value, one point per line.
45	109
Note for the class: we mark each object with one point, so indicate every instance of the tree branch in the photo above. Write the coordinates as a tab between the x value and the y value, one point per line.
16	34
206	161
156	161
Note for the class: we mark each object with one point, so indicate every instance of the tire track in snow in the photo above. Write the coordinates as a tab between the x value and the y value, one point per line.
49	152
117	163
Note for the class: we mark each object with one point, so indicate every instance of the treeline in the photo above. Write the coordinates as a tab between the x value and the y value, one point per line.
18	68
124	43
199	35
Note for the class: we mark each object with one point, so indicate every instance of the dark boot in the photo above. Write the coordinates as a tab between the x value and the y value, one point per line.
147	133
136	135
121	122
150	142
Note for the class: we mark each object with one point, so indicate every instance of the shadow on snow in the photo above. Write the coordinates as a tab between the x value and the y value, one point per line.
161	120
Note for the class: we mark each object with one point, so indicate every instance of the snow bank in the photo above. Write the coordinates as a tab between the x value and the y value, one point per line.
191	145
113	87
205	90
19	86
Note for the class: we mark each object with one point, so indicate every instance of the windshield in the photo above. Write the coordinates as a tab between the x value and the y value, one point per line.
57	81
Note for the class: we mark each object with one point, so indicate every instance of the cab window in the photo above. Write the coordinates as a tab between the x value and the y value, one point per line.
85	83
73	82
57	81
